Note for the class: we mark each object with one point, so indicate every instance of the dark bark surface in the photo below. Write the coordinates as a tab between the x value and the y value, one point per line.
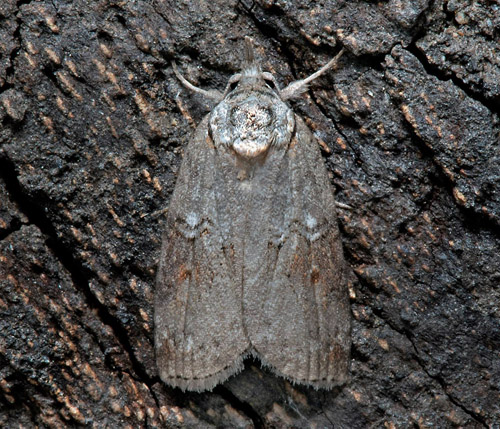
93	126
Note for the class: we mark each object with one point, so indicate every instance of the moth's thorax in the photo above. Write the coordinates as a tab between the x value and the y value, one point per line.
250	121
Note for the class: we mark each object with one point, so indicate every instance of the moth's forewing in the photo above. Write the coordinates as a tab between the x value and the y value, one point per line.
199	336
297	311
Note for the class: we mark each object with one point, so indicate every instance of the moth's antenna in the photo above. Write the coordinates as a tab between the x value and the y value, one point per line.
212	93
299	86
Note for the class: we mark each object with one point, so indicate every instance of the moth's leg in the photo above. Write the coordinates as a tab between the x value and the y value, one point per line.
155	213
342	206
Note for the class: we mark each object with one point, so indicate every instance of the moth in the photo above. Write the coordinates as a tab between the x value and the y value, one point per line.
251	260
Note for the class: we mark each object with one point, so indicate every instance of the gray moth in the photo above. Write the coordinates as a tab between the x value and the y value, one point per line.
251	260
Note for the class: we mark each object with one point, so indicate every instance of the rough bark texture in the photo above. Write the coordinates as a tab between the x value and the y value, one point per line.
93	125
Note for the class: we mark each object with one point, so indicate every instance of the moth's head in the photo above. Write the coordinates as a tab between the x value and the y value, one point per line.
251	117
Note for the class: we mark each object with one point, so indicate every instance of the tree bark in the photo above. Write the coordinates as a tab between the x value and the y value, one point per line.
94	124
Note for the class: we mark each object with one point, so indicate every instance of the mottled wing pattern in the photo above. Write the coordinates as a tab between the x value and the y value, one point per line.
199	333
296	307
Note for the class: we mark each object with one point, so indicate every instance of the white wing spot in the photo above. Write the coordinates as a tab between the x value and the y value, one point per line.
192	220
311	221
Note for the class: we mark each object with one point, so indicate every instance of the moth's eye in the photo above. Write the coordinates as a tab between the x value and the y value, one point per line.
269	79
233	82
270	83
